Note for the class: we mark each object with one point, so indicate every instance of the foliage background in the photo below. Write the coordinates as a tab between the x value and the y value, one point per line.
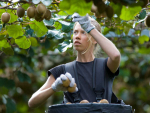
28	49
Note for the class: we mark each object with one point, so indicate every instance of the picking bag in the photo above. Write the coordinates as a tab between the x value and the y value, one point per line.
89	108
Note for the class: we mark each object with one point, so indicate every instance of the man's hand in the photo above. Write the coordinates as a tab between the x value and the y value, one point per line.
84	22
58	84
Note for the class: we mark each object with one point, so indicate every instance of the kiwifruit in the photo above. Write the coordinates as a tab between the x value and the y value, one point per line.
31	12
5	17
38	17
72	89
41	8
96	2
101	7
68	103
95	102
20	11
109	11
104	101
94	8
66	82
47	15
147	21
84	101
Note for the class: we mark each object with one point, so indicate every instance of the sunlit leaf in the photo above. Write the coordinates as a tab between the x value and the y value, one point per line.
144	50
4	43
33	41
25	6
129	13
23	42
57	25
13	17
15	30
72	6
39	28
55	34
143	39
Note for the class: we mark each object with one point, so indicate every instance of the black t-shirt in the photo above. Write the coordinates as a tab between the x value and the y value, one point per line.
84	71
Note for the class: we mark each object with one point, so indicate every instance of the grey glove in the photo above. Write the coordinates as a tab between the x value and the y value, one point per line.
58	84
84	21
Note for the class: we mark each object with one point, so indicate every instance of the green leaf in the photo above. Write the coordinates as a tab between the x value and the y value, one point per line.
34	42
13	17
23	77
72	6
143	39
4	82
142	14
116	8
144	50
10	106
23	42
15	30
39	28
66	26
25	6
8	51
55	34
57	25
128	13
4	43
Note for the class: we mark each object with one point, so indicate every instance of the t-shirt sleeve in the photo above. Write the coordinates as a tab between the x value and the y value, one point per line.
108	70
57	71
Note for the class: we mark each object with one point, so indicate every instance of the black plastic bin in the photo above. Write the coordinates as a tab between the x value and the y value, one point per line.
89	108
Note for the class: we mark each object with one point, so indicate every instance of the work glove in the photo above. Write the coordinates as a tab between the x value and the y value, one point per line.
58	84
84	21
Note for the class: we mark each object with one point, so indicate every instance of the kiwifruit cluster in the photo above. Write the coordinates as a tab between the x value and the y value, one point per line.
66	83
39	13
102	10
147	21
5	17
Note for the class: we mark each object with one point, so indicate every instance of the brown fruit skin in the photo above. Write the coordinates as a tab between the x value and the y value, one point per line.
84	101
20	11
41	8
68	103
31	12
101	7
104	101
109	11
5	17
147	21
66	83
72	89
94	8
38	17
47	15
